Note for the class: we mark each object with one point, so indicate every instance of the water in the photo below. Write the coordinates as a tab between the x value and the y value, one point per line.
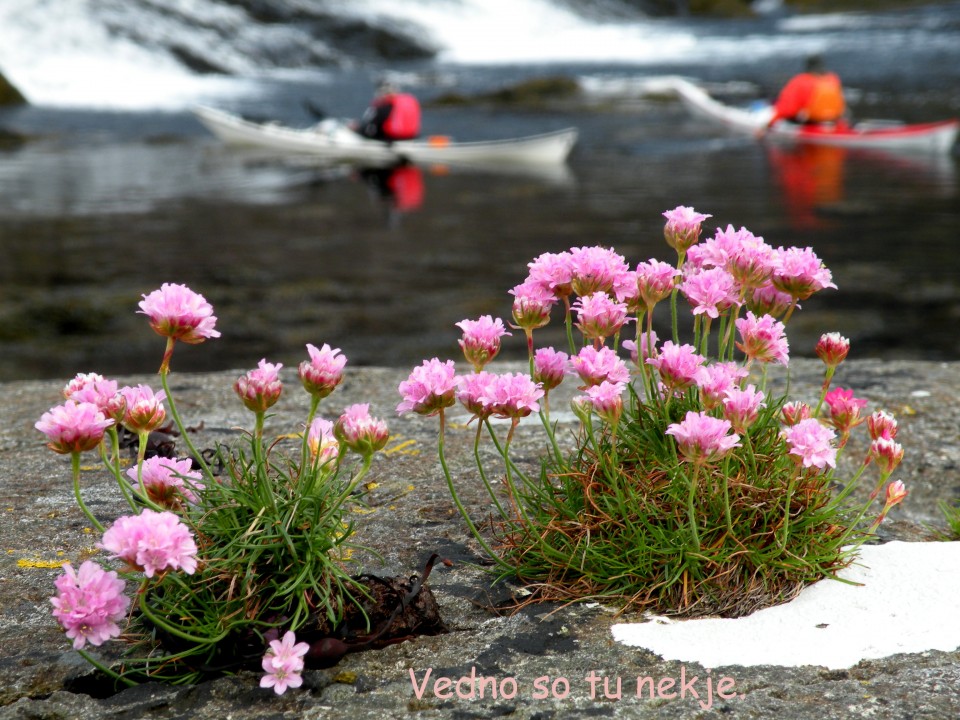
108	202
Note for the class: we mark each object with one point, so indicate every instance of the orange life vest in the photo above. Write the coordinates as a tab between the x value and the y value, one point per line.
826	99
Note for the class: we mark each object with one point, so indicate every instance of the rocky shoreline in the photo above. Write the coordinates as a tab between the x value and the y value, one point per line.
413	517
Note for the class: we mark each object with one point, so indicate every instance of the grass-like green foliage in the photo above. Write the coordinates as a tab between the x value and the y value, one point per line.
629	512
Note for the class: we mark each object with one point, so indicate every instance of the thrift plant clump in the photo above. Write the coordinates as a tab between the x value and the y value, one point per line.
219	561
690	487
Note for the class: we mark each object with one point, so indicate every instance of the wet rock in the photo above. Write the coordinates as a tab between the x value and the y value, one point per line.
9	95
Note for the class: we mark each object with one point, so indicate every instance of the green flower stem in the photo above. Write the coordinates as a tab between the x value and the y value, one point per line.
673	314
456	499
827	377
75	465
305	440
143	437
180	427
104	669
568	322
788	498
341	498
114	468
483	474
691	509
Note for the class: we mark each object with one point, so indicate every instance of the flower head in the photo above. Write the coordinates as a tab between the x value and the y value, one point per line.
177	312
887	453
793	412
474	392
481	340
361	432
73	427
554	272
812	443
720	378
680	366
599	316
89	603
532	303
832	348
742	407
144	409
322	373
763	339
259	389
283	663
844	409
710	291
594	366
655	281
882	424
549	367
597	269
152	542
322	441
682	229
163	480
431	387
896	492
702	438
607	401
512	395
800	273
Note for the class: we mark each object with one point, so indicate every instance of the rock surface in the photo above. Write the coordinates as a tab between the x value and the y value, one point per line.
413	517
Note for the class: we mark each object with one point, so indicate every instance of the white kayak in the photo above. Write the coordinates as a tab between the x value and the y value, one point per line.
334	140
933	137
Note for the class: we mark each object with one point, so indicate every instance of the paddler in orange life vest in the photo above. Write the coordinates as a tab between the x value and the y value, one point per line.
391	116
810	98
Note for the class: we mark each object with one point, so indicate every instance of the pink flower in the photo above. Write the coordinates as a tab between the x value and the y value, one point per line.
474	392
597	269
793	412
73	427
152	542
283	663
682	229
767	300
549	367
763	339
832	348
882	424
812	443
322	441
260	389
164	478
844	409
481	340
431	387
896	492
554	272
742	407
655	281
607	400
680	366
643	352
89	604
359	431
887	453
594	366
720	378
599	316
512	395
800	273
177	312
748	258
702	438
322	373
532	303
144	409
92	388
710	291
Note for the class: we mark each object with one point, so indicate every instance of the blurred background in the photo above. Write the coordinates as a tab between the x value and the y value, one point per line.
109	186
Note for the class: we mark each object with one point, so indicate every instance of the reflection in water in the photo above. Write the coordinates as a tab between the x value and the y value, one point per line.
814	183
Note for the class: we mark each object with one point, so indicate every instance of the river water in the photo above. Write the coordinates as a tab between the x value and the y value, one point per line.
103	205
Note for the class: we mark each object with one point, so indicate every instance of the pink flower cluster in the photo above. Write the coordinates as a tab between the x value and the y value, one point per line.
89	603
283	664
260	389
323	372
152	542
481	340
359	431
73	427
702	438
177	312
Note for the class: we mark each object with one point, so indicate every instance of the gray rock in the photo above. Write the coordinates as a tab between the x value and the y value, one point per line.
413	517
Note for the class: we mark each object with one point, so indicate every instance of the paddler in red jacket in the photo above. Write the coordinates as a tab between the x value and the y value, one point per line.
391	116
810	98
